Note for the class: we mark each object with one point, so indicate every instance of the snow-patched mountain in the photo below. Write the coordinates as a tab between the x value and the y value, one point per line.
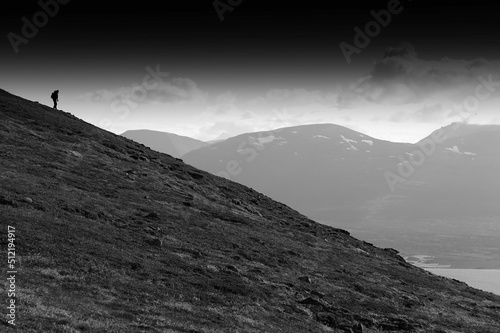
164	142
452	182
449	181
321	170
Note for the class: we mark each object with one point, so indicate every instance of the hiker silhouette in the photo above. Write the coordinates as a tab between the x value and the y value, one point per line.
55	98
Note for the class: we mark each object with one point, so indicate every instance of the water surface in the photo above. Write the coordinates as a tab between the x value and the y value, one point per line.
484	279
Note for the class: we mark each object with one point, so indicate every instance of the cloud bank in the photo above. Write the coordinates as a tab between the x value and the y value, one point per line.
400	93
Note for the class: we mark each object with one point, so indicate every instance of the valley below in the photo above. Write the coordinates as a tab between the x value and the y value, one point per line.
473	259
438	249
484	279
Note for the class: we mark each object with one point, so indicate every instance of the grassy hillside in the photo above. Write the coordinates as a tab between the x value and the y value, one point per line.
114	237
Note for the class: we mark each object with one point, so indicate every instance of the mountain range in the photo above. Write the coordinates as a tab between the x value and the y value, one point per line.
168	143
446	184
111	236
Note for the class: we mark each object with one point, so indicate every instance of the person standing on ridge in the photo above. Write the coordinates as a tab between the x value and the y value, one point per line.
55	98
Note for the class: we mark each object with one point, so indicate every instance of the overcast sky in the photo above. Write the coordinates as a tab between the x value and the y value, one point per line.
264	66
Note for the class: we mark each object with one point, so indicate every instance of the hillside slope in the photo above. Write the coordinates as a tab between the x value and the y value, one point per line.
114	237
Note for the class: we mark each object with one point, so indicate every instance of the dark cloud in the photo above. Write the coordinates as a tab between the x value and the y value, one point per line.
401	77
404	50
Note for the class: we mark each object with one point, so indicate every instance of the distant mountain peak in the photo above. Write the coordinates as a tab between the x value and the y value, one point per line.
164	142
462	129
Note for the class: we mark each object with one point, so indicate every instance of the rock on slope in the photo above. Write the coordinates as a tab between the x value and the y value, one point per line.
114	237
